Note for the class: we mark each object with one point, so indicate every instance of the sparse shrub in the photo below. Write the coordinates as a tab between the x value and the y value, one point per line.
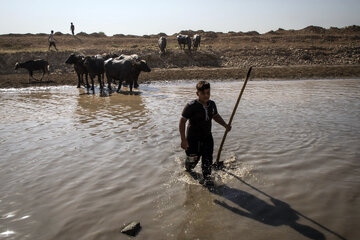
210	34
97	34
84	34
306	57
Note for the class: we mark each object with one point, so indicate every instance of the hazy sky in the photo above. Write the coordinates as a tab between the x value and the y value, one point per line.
150	17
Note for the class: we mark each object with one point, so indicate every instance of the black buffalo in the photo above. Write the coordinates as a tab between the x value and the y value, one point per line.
196	41
124	69
162	44
95	67
184	40
132	57
80	69
106	56
35	65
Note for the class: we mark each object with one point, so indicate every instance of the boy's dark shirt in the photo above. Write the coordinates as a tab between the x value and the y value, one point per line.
199	123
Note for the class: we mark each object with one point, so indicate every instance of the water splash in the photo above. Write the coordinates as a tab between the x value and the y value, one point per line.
7	233
232	165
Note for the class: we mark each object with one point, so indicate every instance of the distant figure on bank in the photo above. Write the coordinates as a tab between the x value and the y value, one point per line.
52	40
72	27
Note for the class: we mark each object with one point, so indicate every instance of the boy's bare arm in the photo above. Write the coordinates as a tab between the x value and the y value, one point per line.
221	121
184	142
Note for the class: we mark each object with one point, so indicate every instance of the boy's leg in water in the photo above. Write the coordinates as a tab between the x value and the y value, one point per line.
207	156
194	149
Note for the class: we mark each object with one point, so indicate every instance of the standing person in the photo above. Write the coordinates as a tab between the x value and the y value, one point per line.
52	40
198	141
72	27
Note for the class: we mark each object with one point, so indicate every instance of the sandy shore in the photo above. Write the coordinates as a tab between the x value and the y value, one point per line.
161	74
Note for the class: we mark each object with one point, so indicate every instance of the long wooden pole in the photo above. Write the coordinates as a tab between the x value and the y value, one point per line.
232	115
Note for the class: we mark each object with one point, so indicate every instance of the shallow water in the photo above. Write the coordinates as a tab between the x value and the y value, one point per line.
77	166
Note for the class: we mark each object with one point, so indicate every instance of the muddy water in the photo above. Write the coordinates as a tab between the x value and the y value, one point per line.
77	166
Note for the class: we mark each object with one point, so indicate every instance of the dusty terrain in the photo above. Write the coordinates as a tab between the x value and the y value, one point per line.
312	52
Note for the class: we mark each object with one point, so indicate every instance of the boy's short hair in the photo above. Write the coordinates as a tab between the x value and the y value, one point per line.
202	85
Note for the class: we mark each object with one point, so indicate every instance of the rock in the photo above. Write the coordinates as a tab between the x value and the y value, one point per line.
131	229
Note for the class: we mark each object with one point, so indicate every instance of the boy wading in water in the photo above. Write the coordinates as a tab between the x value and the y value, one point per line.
198	141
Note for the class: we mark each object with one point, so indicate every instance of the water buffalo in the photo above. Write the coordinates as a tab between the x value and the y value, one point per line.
162	44
106	56
95	67
34	65
124	69
80	69
132	57
196	41
185	40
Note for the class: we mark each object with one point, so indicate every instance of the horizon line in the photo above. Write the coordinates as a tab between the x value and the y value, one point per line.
188	30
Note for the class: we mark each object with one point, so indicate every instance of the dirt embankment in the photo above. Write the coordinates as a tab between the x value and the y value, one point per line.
312	52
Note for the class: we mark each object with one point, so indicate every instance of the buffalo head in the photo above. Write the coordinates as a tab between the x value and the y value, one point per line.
71	59
142	66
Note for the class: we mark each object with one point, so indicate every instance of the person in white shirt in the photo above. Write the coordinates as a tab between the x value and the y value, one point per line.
52	40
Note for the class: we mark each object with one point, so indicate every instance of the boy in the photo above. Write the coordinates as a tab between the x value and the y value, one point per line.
199	141
52	40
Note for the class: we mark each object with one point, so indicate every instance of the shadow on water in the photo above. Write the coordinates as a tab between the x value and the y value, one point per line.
280	213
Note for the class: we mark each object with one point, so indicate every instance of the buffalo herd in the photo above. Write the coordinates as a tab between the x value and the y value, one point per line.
118	69
186	40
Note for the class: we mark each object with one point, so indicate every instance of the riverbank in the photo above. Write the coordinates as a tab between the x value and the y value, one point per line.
309	53
170	74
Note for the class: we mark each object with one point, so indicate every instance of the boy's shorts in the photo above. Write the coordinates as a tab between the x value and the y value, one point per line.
203	148
52	44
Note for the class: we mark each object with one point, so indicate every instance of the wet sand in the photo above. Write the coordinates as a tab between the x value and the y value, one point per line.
169	74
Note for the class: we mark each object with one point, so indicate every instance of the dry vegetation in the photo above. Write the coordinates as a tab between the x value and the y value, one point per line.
311	46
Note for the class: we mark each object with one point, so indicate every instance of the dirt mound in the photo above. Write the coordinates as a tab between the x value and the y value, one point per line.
252	33
352	29
313	29
82	34
97	34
